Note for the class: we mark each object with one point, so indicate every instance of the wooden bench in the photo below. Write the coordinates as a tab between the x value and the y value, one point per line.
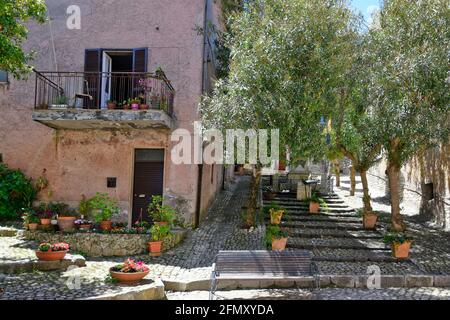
262	265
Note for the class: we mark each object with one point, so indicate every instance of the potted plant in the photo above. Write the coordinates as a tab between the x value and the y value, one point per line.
126	105
269	193
45	215
61	102
83	224
314	203
275	215
369	219
49	252
161	214
400	244
31	220
130	271
276	237
66	216
135	104
111	104
104	207
158	233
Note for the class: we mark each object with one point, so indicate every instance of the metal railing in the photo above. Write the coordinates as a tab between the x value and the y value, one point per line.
98	90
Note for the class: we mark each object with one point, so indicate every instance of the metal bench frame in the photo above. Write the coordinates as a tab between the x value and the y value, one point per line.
252	258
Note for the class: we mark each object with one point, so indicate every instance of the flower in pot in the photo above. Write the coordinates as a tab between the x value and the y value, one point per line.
45	214
52	252
158	233
141	226
276	215
31	220
103	207
276	237
83	224
111	104
130	271
126	105
400	244
369	219
135	103
161	214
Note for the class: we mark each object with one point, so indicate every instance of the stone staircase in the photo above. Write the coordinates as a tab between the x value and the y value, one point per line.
335	236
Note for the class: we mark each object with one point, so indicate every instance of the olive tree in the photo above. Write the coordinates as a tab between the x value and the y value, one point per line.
13	32
409	83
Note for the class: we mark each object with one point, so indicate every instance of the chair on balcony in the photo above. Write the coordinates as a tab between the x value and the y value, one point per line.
83	95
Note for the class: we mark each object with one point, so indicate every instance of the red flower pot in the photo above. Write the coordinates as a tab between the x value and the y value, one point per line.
154	248
66	224
128	277
314	207
46	222
50	255
279	244
370	221
106	225
401	250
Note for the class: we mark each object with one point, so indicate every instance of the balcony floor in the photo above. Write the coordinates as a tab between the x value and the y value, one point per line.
81	119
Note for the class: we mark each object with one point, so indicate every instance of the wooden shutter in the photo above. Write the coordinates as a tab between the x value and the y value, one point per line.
93	67
140	57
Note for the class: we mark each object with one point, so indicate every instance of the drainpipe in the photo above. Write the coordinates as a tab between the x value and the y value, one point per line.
200	166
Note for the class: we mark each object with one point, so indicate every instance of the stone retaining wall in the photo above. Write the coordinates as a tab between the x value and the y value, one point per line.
105	245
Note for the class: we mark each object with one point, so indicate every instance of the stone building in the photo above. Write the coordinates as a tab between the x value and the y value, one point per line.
57	122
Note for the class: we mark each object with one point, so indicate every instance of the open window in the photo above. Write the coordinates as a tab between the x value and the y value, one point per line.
113	74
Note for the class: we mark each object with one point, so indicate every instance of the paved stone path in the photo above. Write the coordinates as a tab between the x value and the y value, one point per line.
339	244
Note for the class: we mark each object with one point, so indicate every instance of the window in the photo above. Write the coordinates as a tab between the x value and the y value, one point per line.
4	78
212	174
428	191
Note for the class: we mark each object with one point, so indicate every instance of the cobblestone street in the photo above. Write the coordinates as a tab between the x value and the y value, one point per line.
339	244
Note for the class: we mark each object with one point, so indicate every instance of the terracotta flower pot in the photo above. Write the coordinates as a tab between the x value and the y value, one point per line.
282	165
401	250
314	207
85	226
50	255
279	244
135	106
106	225
33	226
66	224
46	222
128	277
161	223
154	247
370	221
144	107
111	106
126	107
275	218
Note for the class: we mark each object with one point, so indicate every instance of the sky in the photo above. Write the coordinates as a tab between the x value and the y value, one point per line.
366	7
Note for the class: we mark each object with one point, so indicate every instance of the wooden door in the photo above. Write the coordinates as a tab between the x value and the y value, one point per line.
148	180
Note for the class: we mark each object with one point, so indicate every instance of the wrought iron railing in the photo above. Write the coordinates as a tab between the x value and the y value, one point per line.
101	90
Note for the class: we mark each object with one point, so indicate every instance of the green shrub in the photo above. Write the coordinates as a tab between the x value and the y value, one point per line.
17	193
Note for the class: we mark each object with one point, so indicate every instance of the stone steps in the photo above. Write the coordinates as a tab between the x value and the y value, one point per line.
319	217
304	204
322	225
330	201
352	255
321	213
304	209
314	243
31	265
330	234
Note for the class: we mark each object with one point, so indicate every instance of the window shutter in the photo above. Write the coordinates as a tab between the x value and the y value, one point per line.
92	67
140	58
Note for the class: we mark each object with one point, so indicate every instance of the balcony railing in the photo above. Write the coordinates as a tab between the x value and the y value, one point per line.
98	90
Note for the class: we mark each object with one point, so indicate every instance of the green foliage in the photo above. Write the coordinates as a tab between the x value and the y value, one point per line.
159	232
30	216
13	32
399	237
274	232
159	212
271	206
103	207
17	193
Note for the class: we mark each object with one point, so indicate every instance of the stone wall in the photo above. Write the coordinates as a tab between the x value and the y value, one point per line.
105	245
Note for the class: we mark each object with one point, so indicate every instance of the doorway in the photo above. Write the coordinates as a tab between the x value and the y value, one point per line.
148	180
116	83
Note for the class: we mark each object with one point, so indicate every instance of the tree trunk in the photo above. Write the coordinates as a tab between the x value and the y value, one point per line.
253	198
397	220
337	171
366	196
352	180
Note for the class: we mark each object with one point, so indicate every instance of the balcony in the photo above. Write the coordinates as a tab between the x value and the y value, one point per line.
99	100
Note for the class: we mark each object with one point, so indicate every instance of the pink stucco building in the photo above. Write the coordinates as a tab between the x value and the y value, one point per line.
57	121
